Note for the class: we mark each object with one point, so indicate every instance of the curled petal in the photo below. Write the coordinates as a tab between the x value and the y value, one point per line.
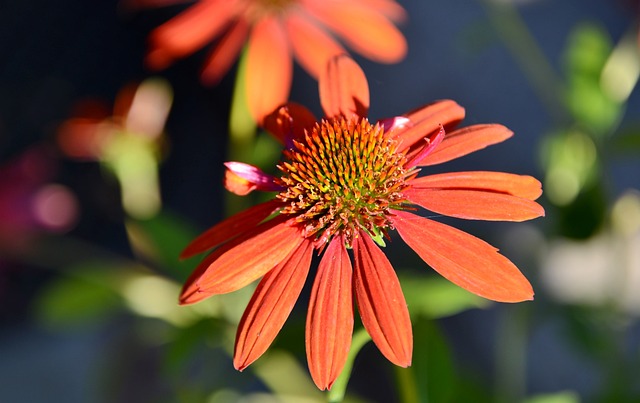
225	53
289	122
269	68
420	153
467	140
230	228
270	306
463	259
189	31
241	179
248	258
330	316
524	186
311	45
381	303
427	120
343	87
363	28
475	204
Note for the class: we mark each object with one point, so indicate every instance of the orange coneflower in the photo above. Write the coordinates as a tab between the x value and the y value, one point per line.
275	29
345	184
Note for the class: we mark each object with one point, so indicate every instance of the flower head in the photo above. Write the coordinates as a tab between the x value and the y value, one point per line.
274	31
346	184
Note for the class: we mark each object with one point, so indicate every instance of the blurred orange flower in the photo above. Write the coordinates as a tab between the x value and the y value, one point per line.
274	30
126	141
345	184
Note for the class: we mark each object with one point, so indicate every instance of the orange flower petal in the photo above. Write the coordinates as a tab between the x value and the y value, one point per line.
389	8
191	292
189	31
363	28
475	204
523	186
269	68
84	138
271	305
229	228
330	316
343	87
289	122
248	259
225	53
311	45
463	259
465	141
381	303
427	120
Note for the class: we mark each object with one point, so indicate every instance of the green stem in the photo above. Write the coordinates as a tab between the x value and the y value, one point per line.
338	390
242	133
530	57
407	385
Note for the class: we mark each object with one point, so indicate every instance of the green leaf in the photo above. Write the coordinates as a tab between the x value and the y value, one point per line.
436	297
587	52
560	397
69	301
431	378
161	239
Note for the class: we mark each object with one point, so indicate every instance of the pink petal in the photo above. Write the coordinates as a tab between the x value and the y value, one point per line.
523	186
248	258
269	68
463	259
225	53
311	45
381	303
344	90
428	120
289	123
189	31
363	28
252	175
395	123
467	140
330	316
230	228
271	305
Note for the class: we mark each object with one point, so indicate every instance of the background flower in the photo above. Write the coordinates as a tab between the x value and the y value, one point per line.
274	32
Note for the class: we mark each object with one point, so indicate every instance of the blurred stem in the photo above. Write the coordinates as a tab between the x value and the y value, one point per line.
242	127
511	354
407	385
242	132
525	50
338	390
